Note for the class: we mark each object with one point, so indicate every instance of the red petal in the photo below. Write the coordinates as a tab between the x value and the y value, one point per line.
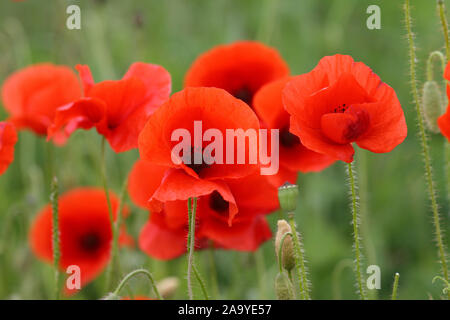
8	139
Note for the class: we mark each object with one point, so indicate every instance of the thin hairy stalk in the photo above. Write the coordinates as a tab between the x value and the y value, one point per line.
356	233
55	236
424	142
200	281
192	208
111	269
395	287
134	273
299	259
441	9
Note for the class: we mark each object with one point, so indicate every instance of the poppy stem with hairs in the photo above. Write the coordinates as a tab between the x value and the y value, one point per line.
423	138
111	269
55	235
299	259
395	287
134	273
192	208
356	233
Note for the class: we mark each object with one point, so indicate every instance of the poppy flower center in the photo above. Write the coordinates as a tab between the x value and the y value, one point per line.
218	203
90	242
197	167
341	108
244	94
288	139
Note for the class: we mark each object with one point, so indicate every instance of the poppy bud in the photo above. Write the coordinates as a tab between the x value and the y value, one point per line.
287	195
432	104
283	287
287	251
168	286
111	296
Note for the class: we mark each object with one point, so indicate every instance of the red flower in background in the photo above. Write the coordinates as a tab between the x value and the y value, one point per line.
294	157
216	109
118	109
444	120
85	231
240	68
340	102
164	236
32	95
8	139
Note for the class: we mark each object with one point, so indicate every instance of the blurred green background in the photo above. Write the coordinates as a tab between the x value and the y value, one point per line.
397	226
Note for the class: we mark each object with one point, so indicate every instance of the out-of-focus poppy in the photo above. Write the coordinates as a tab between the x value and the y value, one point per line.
85	231
118	109
164	235
241	68
444	120
209	108
8	139
293	156
32	95
340	102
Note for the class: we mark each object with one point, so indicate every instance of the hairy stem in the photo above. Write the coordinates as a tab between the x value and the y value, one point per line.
424	142
200	281
356	233
55	235
134	273
395	286
299	259
190	245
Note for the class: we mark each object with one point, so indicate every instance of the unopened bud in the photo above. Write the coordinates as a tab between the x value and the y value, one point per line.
287	251
288	195
433	105
283	287
168	286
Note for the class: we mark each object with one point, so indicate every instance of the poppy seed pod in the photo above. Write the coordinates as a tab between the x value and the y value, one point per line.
287	195
283	287
287	251
432	103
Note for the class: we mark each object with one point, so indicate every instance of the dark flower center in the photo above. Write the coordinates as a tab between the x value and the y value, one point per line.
288	139
90	242
217	203
244	94
341	108
197	167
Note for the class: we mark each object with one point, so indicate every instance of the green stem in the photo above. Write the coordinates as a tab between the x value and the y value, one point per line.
192	208
55	236
423	138
200	281
299	259
134	273
441	8
111	269
356	233
395	286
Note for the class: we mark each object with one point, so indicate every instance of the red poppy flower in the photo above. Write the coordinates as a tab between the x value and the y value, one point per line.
340	102
185	111
164	236
240	68
32	95
8	139
85	231
444	120
118	109
293	156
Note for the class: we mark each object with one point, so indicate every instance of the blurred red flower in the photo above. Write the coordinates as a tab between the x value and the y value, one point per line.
8	139
32	95
240	68
294	157
444	120
118	109
164	235
340	102
216	109
85	231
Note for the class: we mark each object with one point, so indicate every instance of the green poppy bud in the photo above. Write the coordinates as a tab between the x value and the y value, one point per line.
283	287
433	105
287	251
288	195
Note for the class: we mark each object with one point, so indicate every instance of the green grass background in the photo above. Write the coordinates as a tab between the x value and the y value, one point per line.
397	226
